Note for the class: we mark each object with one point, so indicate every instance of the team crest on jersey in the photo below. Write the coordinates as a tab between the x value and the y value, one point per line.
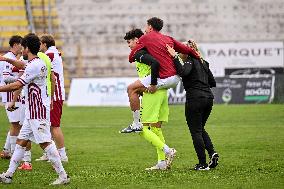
43	71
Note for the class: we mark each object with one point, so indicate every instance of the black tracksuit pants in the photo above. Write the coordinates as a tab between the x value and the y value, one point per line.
197	111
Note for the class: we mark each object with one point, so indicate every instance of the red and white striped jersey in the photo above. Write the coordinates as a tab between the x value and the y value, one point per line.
37	101
57	64
11	73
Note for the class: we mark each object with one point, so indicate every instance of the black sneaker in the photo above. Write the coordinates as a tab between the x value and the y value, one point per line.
201	167
213	160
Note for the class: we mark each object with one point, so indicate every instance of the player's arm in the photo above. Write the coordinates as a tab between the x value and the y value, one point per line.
211	79
17	63
52	81
144	57
11	106
182	69
140	45
134	51
16	94
11	87
181	48
7	77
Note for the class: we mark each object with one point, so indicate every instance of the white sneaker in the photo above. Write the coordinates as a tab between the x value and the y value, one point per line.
64	159
133	128
5	179
137	127
162	165
43	158
170	157
61	181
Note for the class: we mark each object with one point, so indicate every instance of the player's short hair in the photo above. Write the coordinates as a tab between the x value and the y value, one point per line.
15	39
156	23
48	40
133	34
31	41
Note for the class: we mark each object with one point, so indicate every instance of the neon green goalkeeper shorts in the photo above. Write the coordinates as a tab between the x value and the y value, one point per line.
155	107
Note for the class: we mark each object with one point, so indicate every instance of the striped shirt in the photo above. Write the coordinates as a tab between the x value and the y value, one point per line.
37	101
11	73
57	68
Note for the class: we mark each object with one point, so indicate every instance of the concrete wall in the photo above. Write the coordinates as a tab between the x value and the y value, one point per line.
93	30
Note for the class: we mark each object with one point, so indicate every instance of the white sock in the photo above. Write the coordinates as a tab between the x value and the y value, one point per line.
27	156
54	158
13	140
136	116
7	146
15	159
166	149
62	152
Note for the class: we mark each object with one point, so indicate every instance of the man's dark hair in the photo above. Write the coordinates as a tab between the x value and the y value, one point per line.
133	33
156	23
15	39
48	40
32	42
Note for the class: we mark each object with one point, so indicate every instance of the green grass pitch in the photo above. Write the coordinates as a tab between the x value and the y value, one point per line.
249	139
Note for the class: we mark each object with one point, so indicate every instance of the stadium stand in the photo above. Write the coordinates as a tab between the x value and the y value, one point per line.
12	21
93	31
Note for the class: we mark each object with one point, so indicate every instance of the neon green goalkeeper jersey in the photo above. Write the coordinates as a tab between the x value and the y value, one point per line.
143	70
155	106
47	62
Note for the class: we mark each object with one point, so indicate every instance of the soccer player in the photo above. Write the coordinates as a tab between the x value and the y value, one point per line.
48	47
27	164
155	43
197	81
154	111
10	74
36	125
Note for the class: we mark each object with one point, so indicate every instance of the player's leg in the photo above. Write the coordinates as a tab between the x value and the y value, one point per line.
163	116
213	155
168	82
27	159
14	132
133	94
55	160
133	91
18	153
58	137
151	104
42	136
56	131
156	128
153	139
6	153
193	113
14	118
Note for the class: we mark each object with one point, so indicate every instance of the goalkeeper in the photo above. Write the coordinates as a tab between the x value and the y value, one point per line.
154	110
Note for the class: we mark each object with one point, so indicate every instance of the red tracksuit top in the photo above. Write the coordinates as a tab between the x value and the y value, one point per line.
155	43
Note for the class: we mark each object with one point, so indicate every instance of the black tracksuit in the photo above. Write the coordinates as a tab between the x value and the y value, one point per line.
197	80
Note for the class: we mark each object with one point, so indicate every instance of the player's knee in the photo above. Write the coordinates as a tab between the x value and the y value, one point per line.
130	89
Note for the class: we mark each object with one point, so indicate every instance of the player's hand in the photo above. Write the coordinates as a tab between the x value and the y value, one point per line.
51	104
11	107
152	88
171	51
2	58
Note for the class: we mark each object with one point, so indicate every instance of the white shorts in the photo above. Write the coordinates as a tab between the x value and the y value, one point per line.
14	116
36	130
166	83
